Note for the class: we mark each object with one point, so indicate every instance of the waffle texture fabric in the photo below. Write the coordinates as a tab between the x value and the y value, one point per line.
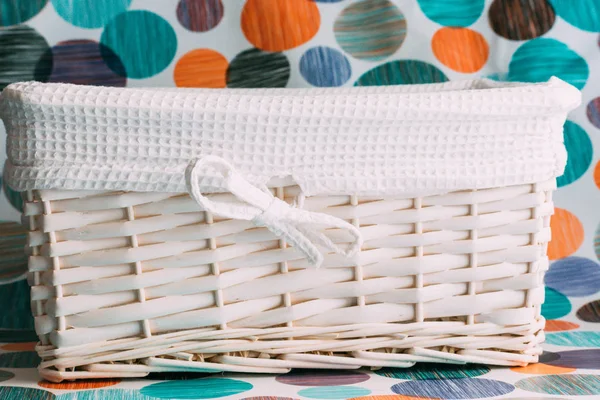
364	140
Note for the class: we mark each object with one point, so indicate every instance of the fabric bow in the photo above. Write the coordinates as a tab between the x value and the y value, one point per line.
295	225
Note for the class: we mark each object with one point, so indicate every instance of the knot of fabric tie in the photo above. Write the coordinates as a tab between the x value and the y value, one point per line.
300	228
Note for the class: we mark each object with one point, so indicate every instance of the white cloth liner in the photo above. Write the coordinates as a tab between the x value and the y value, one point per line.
364	141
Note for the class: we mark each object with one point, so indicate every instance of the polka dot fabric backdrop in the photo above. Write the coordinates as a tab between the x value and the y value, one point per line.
323	43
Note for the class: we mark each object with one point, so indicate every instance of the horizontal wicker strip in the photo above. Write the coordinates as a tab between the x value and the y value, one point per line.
128	283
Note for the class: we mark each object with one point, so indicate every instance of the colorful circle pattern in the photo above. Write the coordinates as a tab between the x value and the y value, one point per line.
323	43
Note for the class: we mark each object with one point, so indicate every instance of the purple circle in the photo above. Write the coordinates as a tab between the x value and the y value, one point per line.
593	112
199	15
585	359
310	377
81	62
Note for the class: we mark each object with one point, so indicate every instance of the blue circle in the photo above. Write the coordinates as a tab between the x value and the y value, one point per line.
325	67
89	14
453	388
574	276
457	13
334	392
580	153
207	388
583	14
402	72
539	59
144	42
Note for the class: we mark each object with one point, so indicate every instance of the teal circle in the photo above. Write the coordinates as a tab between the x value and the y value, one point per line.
452	12
557	305
19	359
580	152
574	338
15	12
539	59
144	42
89	14
434	371
197	389
14	198
25	393
401	72
334	392
583	14
15	304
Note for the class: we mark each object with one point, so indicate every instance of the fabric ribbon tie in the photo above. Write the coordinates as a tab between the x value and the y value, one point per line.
297	226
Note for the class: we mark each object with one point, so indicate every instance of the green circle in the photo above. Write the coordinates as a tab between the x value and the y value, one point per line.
434	371
556	306
458	13
583	14
24	56
254	68
370	29
15	12
401	72
580	153
539	59
89	14
144	42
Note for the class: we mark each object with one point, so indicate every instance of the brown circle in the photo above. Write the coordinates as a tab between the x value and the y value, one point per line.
521	19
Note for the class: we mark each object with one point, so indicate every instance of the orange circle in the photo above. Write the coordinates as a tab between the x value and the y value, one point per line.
597	174
277	25
556	325
567	234
460	49
80	384
26	346
203	68
542	369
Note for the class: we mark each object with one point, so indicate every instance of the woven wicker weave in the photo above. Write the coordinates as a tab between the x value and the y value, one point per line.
127	283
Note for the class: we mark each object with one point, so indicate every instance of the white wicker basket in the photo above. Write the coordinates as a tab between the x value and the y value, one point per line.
445	190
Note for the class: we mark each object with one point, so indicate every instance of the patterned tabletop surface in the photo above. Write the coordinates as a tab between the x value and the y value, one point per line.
316	43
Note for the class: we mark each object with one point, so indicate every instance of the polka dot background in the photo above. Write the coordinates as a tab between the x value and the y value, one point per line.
326	43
